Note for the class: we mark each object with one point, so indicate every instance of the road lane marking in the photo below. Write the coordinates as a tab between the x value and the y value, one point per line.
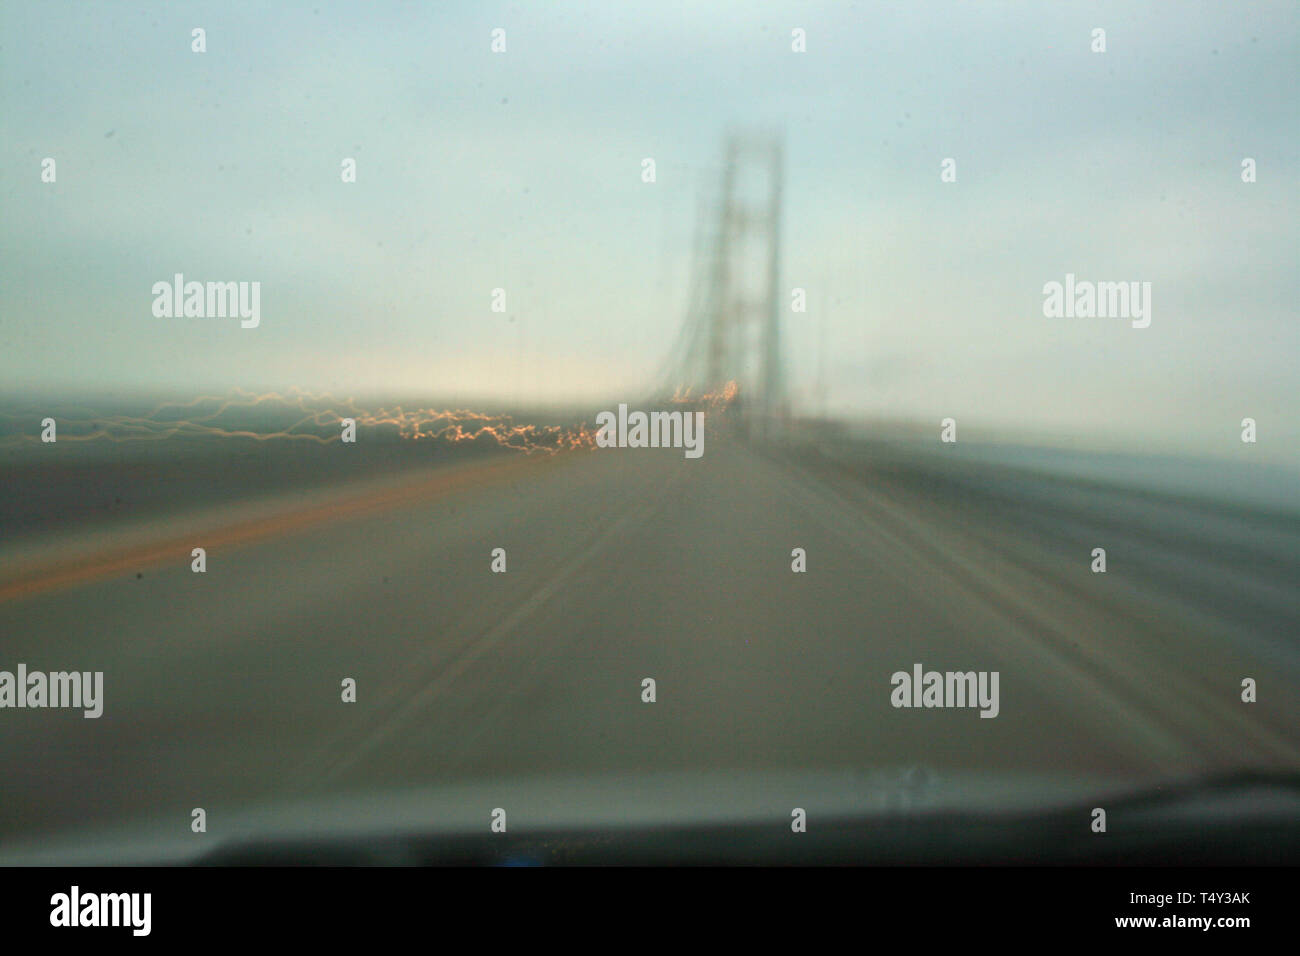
109	562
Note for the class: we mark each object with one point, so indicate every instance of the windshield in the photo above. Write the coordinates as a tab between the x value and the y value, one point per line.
434	419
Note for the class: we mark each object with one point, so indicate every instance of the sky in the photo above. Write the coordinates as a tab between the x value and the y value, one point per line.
522	170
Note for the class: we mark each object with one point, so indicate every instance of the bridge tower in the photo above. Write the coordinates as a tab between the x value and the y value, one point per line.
732	331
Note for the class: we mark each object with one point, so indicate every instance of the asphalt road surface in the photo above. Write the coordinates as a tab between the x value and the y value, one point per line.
223	689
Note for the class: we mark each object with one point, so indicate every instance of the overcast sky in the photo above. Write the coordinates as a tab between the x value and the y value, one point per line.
523	170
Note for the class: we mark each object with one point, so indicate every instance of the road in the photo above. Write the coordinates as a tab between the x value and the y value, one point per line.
223	689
